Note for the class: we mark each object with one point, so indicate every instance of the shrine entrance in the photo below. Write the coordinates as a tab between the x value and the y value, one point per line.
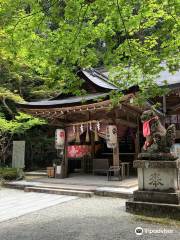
88	152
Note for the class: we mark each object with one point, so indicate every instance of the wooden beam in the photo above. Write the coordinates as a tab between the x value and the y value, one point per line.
83	122
126	123
132	108
56	123
175	107
85	107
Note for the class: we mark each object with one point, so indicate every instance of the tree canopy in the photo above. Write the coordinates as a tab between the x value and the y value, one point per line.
44	43
52	39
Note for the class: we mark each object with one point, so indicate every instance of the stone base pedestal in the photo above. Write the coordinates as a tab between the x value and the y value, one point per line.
157	197
153	209
159	189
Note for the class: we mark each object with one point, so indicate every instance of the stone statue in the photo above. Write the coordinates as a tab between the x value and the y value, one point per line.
158	139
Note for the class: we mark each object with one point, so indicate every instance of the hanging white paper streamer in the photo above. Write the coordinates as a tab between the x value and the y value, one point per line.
98	126
74	129
90	126
81	128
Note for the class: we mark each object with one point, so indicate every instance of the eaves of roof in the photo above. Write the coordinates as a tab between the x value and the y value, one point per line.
66	101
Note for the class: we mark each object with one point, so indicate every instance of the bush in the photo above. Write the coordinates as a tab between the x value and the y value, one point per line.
8	173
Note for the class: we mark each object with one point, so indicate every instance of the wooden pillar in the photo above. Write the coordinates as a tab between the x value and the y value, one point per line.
137	140
92	144
116	155
65	156
164	110
116	160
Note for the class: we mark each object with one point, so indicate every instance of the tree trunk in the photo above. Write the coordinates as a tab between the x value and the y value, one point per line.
7	107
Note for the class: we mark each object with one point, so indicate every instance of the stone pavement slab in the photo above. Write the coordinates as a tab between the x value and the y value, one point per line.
15	203
89	180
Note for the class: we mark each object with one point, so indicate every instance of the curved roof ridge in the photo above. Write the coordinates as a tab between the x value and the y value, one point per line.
99	79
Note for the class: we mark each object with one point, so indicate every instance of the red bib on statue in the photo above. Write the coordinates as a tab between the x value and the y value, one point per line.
146	129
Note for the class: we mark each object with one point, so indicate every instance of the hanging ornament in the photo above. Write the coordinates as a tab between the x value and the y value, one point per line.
96	137
98	125
81	128
74	129
90	126
77	136
87	134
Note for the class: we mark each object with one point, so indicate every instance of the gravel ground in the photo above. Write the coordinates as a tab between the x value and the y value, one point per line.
96	218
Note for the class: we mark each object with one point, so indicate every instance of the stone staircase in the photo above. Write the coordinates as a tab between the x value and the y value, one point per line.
71	189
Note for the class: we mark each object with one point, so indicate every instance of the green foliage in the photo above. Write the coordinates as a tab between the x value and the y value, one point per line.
11	122
20	124
21	80
9	173
17	126
7	94
54	38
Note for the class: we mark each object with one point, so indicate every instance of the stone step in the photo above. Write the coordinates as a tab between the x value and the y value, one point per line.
58	191
14	186
65	187
36	174
100	191
115	192
21	186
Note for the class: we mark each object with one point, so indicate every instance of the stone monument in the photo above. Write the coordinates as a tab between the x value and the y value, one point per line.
18	154
158	170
